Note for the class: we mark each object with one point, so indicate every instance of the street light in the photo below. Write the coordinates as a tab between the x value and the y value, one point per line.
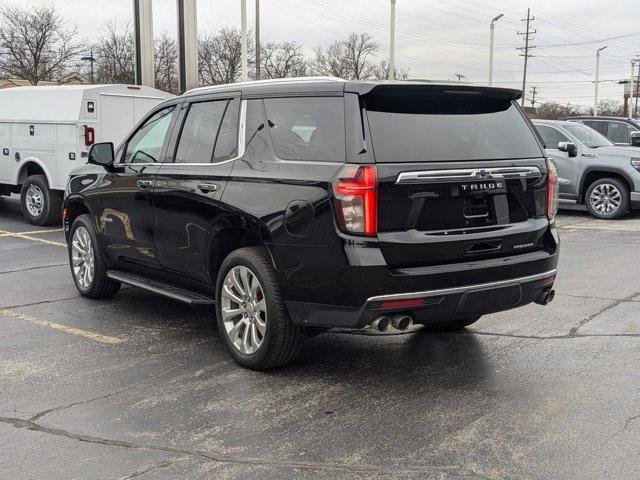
493	26
595	98
91	59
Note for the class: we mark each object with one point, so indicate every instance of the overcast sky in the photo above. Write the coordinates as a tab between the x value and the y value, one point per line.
435	38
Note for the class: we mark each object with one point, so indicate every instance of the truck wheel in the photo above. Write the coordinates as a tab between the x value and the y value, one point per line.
607	198
88	268
452	326
252	319
40	205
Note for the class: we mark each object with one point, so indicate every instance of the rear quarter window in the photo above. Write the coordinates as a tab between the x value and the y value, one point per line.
307	128
438	127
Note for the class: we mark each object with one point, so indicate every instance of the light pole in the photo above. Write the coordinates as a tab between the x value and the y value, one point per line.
595	97
90	59
392	42
243	41
492	28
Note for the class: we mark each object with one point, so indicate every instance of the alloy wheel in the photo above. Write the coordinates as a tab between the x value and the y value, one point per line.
82	257
605	199
34	200
244	310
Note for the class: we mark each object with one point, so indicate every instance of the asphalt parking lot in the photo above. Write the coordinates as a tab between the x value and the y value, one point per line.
140	387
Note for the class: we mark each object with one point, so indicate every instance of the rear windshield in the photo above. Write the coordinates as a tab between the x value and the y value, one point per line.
440	127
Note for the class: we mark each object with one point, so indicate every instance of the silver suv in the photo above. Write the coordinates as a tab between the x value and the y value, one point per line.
591	169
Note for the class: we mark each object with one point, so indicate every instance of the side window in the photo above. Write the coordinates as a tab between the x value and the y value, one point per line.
551	136
619	132
307	128
146	144
199	132
227	142
598	125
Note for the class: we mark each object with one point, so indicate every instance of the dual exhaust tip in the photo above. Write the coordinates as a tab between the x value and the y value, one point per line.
399	321
545	297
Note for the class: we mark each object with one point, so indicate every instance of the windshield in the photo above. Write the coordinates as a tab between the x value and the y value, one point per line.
587	135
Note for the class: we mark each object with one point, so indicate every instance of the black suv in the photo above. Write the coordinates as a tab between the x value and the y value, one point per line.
295	206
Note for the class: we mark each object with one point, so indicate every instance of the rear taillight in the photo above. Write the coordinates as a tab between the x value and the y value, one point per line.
552	190
356	199
89	136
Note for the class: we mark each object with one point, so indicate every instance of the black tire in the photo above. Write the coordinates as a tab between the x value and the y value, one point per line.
452	326
51	210
282	339
623	191
101	286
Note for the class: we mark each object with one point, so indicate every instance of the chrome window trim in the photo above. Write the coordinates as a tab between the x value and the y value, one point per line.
240	146
467	288
468	174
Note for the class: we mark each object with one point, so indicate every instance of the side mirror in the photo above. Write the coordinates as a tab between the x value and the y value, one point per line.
101	154
568	147
635	139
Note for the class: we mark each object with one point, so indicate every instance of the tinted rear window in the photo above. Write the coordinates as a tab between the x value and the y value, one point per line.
441	127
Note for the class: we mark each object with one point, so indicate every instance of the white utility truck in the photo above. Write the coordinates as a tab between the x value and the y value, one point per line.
45	132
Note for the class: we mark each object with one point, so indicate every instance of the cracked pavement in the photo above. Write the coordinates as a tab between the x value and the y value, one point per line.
539	392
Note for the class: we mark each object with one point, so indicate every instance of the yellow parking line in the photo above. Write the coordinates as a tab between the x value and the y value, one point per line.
33	232
24	236
96	337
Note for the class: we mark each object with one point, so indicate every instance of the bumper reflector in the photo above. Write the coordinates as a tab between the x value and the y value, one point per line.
411	302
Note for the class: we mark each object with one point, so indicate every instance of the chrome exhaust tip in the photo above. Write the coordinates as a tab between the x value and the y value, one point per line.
401	321
381	323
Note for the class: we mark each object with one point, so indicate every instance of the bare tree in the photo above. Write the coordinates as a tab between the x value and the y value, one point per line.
610	107
460	76
283	59
114	54
382	72
330	60
219	56
166	63
554	110
37	43
349	58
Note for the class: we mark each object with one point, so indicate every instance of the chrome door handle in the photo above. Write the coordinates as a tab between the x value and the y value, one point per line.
145	184
207	187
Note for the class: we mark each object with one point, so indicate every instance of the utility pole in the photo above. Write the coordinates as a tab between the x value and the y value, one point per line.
257	39
534	92
392	42
527	47
92	60
635	110
595	97
243	41
491	35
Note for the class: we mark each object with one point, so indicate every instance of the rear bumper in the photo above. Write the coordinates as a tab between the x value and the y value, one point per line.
346	285
436	305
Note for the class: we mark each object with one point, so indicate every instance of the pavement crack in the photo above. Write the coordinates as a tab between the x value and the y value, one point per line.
39	415
629	420
257	462
609	306
43	302
162	464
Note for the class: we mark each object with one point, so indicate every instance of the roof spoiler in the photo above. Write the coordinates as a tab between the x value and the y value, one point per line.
406	88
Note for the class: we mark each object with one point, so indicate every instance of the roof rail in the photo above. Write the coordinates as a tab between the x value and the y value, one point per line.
292	80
